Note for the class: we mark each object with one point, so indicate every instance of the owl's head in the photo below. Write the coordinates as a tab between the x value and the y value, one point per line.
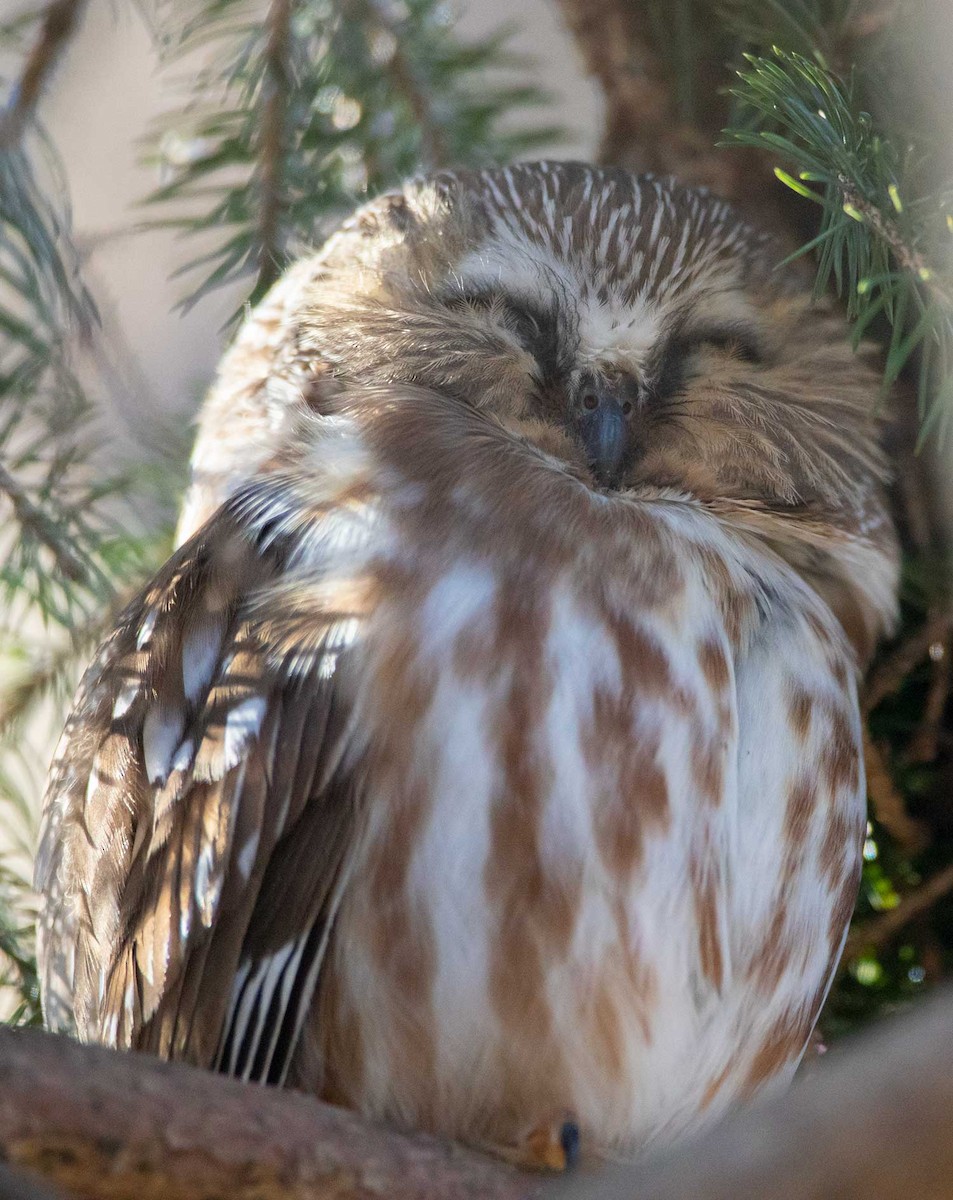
636	327
636	330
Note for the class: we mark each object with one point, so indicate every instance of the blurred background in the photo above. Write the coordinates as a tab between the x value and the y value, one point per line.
164	358
161	161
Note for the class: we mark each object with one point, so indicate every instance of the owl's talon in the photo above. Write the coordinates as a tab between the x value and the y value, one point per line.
550	1146
569	1139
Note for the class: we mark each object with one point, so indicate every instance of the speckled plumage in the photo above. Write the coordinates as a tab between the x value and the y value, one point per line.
440	772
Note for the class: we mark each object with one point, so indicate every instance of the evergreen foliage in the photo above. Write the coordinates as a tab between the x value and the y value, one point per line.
883	251
324	102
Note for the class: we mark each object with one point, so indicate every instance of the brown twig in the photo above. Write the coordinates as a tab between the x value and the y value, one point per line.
271	145
924	745
59	22
433	145
906	256
890	675
888	804
879	930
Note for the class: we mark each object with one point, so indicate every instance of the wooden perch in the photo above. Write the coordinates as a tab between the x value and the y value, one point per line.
108	1126
871	1120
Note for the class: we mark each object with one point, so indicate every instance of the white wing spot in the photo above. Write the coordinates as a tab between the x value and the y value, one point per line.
246	857
199	655
124	701
242	724
161	732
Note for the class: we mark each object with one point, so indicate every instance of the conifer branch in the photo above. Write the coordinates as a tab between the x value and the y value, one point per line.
56	28
906	256
33	519
310	114
433	147
870	241
55	665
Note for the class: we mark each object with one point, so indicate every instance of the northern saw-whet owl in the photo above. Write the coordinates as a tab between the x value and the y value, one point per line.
488	756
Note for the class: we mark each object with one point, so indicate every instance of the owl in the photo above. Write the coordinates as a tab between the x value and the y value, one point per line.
487	758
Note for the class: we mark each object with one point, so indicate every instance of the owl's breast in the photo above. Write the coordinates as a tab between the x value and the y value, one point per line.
558	903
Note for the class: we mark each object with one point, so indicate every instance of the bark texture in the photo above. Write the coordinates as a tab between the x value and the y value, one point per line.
873	1120
108	1126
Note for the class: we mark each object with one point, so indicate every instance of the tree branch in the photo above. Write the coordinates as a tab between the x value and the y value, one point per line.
433	147
888	804
111	1126
870	1120
890	674
271	146
612	36
643	130
905	255
57	27
877	932
57	664
925	743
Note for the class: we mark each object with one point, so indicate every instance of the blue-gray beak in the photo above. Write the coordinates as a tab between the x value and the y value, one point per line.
604	430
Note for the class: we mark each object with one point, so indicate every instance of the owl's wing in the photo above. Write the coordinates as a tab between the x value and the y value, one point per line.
197	825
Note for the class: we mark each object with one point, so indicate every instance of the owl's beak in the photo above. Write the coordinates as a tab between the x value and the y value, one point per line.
603	428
